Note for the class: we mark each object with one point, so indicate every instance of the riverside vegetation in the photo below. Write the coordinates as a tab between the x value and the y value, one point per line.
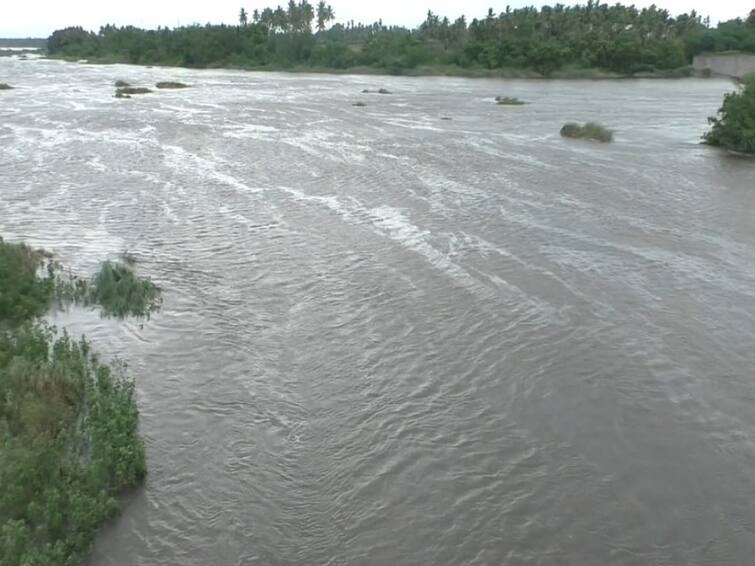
734	126
68	422
591	40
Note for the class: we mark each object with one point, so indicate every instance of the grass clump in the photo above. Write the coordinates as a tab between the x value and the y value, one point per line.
120	293
23	295
171	84
5	86
509	101
590	131
68	424
734	126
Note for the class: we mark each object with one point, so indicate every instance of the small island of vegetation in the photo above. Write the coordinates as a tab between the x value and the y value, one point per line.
733	128
589	131
68	422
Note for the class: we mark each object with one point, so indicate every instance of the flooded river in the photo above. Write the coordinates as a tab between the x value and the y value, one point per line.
393	338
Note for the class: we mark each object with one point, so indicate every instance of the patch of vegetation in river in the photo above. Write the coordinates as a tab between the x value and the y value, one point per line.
68	422
734	126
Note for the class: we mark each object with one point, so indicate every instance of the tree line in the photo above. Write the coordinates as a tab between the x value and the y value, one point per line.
616	38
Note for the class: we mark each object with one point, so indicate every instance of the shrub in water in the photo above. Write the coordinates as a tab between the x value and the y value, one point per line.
734	127
119	292
590	131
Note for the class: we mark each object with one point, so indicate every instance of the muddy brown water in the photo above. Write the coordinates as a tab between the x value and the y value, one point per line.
390	338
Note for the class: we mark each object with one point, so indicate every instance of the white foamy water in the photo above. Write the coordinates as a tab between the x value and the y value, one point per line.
389	338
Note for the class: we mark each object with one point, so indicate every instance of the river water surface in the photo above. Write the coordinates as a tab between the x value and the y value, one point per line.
390	338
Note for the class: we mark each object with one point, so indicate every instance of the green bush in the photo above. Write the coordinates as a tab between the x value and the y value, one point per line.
590	131
734	127
23	295
68	423
119	292
68	446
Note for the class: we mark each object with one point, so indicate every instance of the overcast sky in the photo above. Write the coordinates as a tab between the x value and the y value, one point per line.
38	18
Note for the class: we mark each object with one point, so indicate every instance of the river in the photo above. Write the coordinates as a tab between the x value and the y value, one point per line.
393	338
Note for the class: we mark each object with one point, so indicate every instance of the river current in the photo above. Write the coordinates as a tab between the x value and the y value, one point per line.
390	337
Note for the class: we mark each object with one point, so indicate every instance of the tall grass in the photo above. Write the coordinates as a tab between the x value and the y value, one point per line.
120	292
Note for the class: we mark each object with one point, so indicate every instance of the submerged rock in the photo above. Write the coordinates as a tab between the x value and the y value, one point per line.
4	86
171	84
509	101
359	104
120	84
125	91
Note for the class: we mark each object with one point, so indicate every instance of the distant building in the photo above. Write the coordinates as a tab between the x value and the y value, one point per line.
725	64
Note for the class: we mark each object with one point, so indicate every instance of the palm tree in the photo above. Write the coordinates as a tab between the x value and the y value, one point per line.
321	7
243	17
325	14
306	15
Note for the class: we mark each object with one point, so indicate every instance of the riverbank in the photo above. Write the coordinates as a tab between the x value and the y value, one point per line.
420	71
69	444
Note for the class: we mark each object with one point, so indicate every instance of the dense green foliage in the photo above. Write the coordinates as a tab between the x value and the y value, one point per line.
734	127
615	38
68	423
120	293
23	295
589	131
68	446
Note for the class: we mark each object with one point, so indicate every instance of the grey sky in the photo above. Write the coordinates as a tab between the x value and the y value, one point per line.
38	18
